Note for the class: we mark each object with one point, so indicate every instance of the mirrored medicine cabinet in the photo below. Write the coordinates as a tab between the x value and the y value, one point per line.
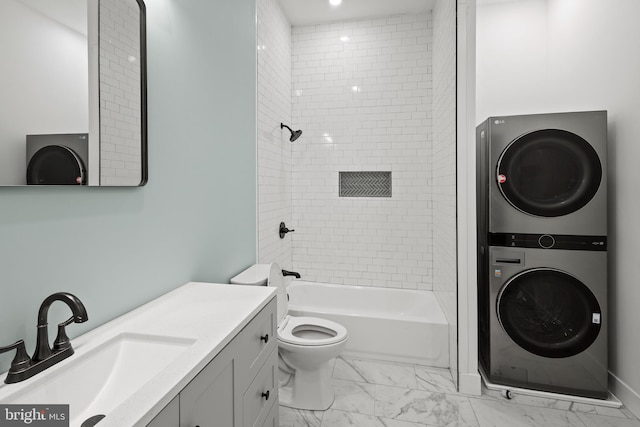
73	93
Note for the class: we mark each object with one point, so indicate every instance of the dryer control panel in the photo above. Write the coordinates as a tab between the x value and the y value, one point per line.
548	241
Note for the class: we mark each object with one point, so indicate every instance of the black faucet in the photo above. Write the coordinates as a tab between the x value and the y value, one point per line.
43	351
291	273
44	356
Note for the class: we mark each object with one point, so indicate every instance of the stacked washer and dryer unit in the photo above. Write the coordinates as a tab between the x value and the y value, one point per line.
542	260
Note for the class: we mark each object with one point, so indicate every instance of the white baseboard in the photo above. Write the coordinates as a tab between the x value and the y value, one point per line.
628	396
611	401
470	383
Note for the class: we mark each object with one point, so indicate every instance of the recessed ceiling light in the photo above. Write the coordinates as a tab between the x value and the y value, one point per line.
335	2
344	38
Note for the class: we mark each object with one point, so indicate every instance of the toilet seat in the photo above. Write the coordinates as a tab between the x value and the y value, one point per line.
331	332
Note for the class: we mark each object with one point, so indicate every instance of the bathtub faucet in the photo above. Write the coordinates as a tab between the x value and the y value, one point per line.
290	273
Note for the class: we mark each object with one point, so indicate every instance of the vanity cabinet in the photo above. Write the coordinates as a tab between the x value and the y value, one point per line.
238	388
211	395
272	419
169	416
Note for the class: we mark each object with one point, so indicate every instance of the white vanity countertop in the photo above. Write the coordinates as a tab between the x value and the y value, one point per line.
209	314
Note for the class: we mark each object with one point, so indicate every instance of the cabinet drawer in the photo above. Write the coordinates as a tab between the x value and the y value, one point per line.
255	342
262	393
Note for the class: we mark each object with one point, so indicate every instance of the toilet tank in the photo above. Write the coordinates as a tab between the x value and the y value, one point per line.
256	275
259	275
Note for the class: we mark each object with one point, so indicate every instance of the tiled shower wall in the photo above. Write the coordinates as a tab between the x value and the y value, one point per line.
362	94
444	165
274	148
120	83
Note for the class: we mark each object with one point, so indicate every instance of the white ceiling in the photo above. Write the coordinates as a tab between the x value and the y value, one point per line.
483	2
306	12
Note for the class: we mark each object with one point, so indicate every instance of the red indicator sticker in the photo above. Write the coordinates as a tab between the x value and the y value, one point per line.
502	179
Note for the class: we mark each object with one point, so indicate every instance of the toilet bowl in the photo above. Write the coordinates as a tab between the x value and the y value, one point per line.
306	346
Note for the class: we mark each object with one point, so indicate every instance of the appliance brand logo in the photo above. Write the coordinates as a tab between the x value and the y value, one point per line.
498	122
34	415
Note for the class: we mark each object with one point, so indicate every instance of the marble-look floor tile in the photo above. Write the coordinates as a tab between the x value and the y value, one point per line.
628	413
492	413
434	379
434	409
592	420
290	417
524	399
372	393
353	396
333	418
597	409
376	372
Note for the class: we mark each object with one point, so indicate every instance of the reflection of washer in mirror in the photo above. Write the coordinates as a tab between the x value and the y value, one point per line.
58	159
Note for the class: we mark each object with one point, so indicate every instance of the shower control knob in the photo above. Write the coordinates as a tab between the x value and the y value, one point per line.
284	230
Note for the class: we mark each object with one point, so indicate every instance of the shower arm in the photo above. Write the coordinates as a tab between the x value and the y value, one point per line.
282	125
295	134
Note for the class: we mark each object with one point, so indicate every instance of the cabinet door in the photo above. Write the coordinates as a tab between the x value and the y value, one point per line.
210	399
272	419
169	416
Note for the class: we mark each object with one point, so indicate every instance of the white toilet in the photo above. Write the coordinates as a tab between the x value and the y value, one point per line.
306	345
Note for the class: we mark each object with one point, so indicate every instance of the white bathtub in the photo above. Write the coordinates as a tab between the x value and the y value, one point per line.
386	324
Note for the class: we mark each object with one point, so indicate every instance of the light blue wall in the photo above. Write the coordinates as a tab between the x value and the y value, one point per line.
116	248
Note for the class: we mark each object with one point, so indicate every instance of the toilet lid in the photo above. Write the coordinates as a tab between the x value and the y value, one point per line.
276	280
311	331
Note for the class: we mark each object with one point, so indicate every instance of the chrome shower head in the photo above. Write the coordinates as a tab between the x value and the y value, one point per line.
295	134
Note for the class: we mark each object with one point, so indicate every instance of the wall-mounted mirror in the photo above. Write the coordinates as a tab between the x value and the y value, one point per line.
73	93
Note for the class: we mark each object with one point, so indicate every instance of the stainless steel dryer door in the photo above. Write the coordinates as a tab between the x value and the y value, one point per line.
549	173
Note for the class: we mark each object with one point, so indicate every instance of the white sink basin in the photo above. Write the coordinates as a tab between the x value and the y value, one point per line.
100	380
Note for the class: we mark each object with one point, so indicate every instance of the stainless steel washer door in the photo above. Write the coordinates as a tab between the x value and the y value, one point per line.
549	313
549	173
